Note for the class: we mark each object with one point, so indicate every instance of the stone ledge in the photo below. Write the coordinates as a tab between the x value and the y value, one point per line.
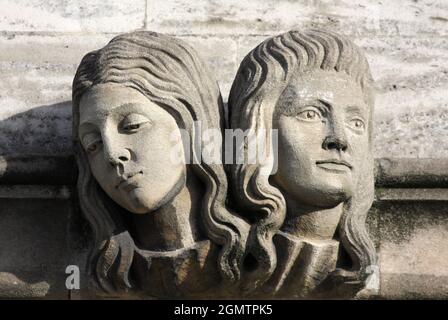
61	170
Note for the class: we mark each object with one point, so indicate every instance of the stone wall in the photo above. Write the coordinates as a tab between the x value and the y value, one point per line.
42	42
406	43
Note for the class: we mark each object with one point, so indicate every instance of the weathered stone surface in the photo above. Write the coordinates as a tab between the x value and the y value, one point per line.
34	247
396	226
405	43
411	109
37	170
412	195
35	114
72	16
220	54
406	173
35	107
410	73
361	17
413	251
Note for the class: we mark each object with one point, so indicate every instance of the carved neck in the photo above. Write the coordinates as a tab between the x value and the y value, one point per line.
173	226
311	222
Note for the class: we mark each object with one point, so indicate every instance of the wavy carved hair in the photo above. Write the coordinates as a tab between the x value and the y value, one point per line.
170	73
261	78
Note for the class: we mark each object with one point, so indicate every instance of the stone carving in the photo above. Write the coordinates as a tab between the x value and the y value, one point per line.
164	228
308	236
160	228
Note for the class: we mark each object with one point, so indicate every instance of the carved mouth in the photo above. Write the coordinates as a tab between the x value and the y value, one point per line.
334	165
129	180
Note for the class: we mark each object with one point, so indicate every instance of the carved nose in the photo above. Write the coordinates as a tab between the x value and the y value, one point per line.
117	158
335	143
114	161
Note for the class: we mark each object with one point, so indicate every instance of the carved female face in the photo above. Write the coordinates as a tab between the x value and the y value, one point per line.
322	123
128	142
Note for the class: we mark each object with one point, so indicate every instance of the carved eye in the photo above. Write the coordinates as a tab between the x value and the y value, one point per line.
357	124
132	126
310	114
133	122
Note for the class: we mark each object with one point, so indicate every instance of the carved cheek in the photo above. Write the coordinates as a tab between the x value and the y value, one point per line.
359	147
99	169
97	163
312	135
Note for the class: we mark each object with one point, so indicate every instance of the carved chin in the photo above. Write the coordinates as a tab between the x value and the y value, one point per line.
326	195
139	209
140	202
332	198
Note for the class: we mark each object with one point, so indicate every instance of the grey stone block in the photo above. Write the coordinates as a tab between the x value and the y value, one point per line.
72	16
267	17
413	251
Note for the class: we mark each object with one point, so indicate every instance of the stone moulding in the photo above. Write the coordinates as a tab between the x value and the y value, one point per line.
61	170
400	183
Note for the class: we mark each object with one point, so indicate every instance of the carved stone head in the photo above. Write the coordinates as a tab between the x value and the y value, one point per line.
132	100
315	89
128	141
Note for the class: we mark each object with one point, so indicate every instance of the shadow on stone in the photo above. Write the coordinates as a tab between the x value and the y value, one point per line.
42	130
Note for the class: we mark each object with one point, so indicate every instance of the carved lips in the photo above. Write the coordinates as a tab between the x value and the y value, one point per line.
129	181
334	165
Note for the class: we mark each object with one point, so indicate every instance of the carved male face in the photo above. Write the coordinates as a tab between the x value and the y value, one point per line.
127	139
323	138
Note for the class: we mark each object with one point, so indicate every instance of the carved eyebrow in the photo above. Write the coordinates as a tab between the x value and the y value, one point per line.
351	108
126	104
357	108
326	103
292	108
